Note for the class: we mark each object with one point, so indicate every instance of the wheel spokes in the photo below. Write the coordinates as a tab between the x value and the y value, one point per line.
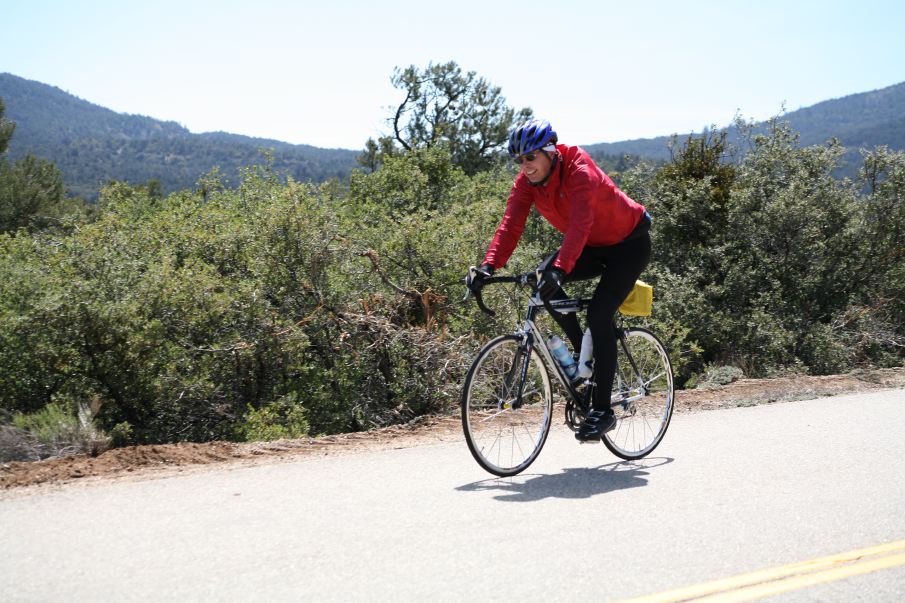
507	430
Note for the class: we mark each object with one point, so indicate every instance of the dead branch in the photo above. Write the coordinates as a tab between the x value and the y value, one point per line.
428	300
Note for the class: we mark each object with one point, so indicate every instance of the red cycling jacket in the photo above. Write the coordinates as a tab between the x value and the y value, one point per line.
579	200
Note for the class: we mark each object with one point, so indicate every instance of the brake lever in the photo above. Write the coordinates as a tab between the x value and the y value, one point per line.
477	294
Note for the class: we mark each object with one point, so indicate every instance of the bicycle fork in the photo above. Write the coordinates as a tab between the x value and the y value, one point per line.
518	374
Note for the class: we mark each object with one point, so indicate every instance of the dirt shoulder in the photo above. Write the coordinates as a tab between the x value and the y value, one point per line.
160	460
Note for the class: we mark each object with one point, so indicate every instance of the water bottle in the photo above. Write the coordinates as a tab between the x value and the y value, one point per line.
586	358
561	353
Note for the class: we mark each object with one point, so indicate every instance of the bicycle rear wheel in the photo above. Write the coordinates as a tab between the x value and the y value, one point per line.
643	395
504	431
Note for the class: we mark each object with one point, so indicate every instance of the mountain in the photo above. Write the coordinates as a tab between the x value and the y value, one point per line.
863	120
91	144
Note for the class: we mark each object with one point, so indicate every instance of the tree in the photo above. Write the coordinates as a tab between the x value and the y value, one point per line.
463	111
32	194
692	203
6	129
376	152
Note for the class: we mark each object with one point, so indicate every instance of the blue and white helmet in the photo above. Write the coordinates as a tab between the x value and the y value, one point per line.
532	135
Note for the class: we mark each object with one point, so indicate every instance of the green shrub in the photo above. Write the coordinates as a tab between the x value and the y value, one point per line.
284	418
722	375
52	431
276	309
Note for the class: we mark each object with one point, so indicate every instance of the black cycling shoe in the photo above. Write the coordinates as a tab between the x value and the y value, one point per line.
596	424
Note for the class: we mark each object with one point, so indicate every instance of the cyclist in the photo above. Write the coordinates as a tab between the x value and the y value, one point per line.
606	234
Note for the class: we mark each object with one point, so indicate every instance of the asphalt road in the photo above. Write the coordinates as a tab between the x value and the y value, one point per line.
728	492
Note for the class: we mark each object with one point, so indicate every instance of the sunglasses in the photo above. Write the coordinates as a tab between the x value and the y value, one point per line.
532	156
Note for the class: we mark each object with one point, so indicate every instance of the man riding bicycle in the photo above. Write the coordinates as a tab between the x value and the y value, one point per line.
606	234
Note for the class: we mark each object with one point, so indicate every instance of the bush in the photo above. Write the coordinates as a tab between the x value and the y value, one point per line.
722	375
18	445
51	431
284	418
755	257
278	309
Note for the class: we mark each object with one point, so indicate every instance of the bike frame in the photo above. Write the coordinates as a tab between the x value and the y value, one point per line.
533	337
532	334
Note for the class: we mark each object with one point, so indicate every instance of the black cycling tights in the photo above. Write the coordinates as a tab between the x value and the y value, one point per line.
618	267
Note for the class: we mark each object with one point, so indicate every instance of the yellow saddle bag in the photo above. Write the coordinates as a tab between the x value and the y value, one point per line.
640	301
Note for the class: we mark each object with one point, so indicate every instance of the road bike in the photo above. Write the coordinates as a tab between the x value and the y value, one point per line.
507	399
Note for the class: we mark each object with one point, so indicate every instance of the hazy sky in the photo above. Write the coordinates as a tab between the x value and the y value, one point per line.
318	72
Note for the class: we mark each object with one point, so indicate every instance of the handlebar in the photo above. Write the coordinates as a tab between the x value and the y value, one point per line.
528	278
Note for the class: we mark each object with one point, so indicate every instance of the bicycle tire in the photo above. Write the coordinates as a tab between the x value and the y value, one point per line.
644	399
502	439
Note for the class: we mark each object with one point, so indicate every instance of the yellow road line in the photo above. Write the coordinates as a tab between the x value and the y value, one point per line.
754	585
760	591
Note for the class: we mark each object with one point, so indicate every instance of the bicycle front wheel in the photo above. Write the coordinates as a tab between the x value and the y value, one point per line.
507	406
642	397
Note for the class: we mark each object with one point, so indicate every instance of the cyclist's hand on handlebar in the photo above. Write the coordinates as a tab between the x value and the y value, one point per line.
550	282
474	280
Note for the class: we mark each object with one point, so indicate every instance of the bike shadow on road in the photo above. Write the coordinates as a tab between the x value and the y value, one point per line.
573	482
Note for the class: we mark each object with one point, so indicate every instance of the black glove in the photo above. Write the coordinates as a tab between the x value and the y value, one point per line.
474	280
550	282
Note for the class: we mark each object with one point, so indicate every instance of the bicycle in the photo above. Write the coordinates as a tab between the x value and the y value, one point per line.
507	401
